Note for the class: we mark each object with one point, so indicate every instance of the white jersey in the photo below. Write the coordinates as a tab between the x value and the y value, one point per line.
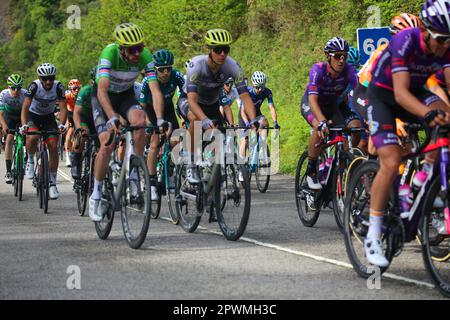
10	105
43	101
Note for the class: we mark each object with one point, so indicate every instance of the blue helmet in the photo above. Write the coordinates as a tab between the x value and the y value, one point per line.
354	58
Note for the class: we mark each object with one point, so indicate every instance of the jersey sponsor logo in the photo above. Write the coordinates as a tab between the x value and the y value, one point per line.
373	127
405	45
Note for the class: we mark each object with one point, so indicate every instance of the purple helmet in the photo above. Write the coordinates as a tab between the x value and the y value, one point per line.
435	15
336	44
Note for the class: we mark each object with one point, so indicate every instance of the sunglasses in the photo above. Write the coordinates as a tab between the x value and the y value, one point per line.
164	68
49	78
135	49
75	88
440	38
14	88
220	49
261	87
339	56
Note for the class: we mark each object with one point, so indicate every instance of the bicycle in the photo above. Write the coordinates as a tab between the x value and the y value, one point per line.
165	172
41	178
126	188
219	192
84	185
19	160
309	202
398	229
259	163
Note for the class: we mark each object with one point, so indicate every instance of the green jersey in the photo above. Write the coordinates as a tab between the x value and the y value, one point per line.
84	100
120	73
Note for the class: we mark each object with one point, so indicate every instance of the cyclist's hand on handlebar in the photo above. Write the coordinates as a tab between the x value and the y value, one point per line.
163	125
23	129
113	123
207	124
436	117
322	128
62	128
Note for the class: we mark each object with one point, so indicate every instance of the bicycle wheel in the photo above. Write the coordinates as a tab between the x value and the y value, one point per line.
20	171
262	173
305	198
15	169
356	218
170	194
189	201
156	204
233	215
83	184
435	240
136	203
103	228
338	187
45	180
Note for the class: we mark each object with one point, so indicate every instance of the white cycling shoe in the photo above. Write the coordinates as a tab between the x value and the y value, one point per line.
95	212
374	252
53	192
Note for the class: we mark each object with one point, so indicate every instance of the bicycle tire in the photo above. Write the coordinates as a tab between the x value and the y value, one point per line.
170	194
303	195
103	228
262	181
135	240
186	209
156	204
233	200
356	219
434	256
338	188
15	170
20	173
45	181
82	194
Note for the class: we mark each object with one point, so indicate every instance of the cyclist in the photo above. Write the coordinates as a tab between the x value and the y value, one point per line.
11	101
71	96
354	58
113	94
169	80
206	75
397	90
227	96
38	114
327	81
258	92
82	118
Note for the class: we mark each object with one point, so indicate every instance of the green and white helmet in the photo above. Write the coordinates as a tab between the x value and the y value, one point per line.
15	80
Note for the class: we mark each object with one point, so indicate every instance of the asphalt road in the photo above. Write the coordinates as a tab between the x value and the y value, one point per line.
42	256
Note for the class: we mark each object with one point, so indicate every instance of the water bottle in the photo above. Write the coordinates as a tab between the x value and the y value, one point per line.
404	195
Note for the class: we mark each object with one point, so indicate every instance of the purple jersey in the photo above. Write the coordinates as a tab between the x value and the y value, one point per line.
327	88
440	77
406	52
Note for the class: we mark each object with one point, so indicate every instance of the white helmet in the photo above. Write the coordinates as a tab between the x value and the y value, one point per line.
259	78
46	69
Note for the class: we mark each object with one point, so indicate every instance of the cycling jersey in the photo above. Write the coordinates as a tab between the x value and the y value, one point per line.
202	80
10	105
70	99
258	99
322	84
168	89
121	74
406	52
227	99
43	101
84	100
365	74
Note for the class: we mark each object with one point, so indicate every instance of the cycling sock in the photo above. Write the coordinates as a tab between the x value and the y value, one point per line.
97	192
53	178
8	165
375	223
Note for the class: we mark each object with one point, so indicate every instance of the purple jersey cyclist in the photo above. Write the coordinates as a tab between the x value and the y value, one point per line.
397	90
319	105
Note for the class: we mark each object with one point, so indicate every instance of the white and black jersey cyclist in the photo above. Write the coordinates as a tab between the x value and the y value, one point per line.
206	75
38	113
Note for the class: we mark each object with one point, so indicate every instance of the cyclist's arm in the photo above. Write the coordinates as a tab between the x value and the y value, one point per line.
25	108
249	107
103	98
273	111
315	107
404	97
2	120
243	115
63	113
437	90
77	115
194	107
228	114
157	97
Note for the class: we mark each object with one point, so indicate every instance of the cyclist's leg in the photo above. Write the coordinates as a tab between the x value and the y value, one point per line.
12	122
49	124
154	141
313	152
68	143
32	144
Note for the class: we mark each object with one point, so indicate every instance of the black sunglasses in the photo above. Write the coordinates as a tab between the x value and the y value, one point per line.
15	88
220	49
339	56
49	78
164	68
